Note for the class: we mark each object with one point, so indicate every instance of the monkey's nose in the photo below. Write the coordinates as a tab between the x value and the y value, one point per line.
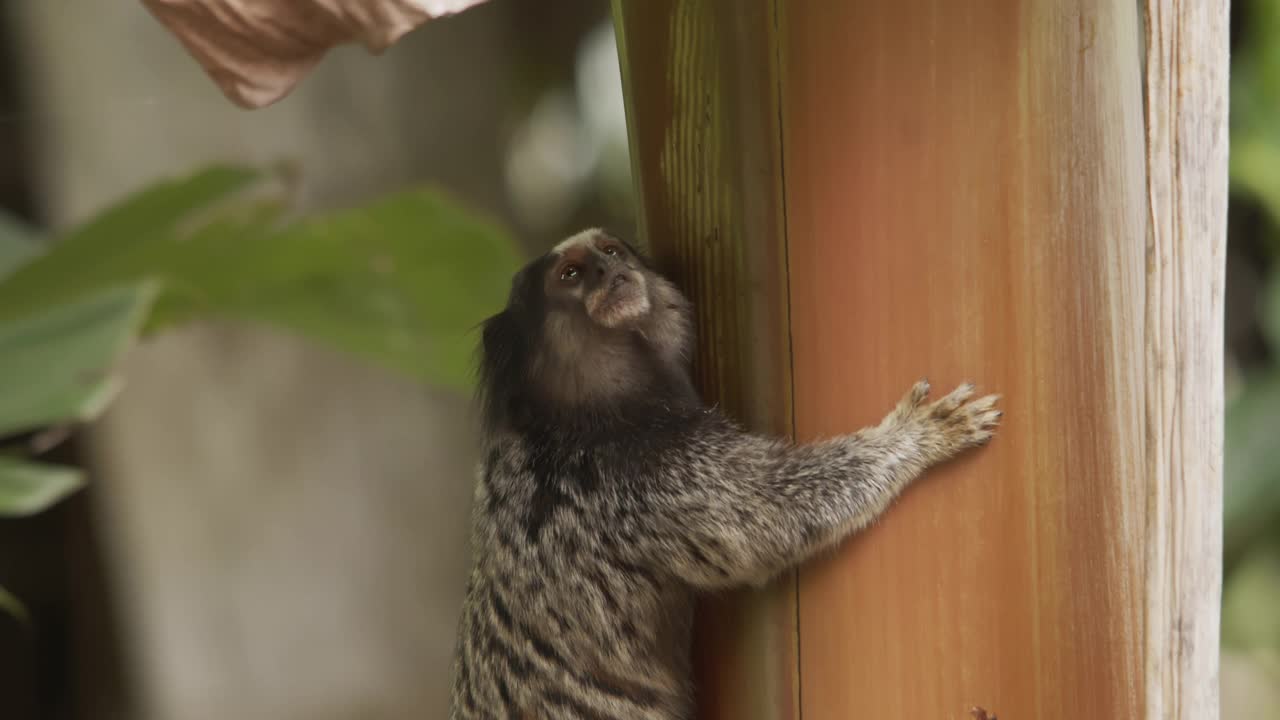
619	279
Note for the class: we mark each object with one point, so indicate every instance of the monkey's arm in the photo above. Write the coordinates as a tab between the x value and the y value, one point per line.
739	508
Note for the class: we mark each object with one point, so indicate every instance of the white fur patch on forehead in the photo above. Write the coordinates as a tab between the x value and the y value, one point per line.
581	238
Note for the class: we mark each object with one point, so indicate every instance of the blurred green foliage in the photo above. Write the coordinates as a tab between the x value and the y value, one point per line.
1255	109
1251	592
11	605
55	363
400	282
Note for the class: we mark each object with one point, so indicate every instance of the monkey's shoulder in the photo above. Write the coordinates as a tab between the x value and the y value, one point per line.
582	477
589	456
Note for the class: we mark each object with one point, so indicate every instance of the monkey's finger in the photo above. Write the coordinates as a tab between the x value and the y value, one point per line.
984	403
906	407
917	395
953	400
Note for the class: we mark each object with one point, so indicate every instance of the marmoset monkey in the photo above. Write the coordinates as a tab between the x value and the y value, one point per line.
609	495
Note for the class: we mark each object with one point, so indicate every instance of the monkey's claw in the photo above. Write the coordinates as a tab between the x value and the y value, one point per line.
952	402
918	393
953	423
911	402
968	424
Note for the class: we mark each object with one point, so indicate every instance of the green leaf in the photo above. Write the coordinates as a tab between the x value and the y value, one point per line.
56	365
27	488
1251	501
123	245
13	606
402	282
18	244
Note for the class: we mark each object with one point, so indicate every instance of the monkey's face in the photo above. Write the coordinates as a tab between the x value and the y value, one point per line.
589	323
601	276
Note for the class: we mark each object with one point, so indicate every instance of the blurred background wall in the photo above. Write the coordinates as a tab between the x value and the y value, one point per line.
273	530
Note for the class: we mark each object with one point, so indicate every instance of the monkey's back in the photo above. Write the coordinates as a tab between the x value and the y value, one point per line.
557	622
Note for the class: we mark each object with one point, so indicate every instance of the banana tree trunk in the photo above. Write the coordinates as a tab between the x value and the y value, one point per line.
1023	193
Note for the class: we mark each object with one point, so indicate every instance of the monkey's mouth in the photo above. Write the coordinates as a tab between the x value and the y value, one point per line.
623	297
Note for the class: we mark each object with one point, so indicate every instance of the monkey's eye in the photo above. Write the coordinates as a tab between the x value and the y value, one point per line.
569	273
610	250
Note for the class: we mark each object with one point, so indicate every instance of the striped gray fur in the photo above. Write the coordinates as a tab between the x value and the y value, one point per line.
609	496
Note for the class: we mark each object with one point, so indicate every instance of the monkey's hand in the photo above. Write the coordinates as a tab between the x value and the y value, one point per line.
945	427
